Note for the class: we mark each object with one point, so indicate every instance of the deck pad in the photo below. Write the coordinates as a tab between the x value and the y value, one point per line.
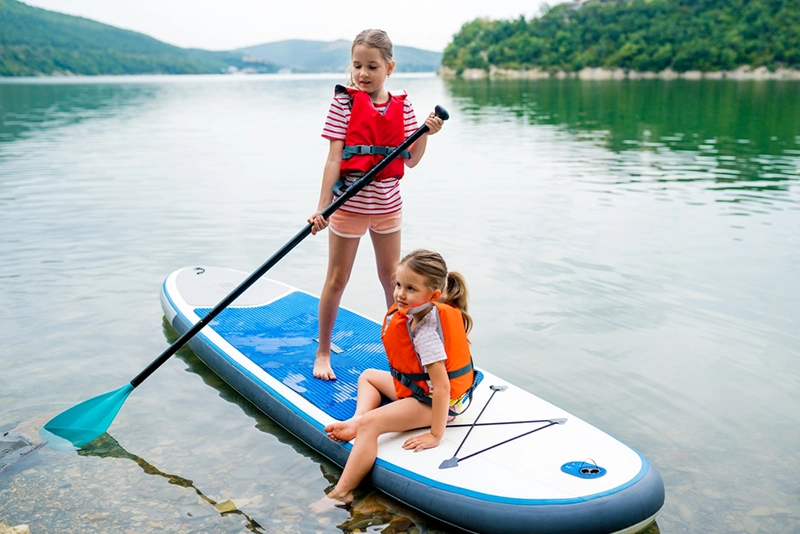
280	338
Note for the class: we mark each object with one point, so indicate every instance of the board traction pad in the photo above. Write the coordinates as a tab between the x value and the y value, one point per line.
280	336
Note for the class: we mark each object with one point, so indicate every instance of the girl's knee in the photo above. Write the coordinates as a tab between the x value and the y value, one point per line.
337	281
369	383
368	376
381	381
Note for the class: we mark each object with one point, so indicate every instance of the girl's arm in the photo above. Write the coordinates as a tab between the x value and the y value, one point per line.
441	403
417	150
330	175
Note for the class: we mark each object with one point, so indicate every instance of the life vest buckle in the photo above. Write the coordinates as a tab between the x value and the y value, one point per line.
371	150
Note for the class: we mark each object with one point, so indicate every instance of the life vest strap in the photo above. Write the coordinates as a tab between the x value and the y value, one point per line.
416	377
460	372
407	379
370	150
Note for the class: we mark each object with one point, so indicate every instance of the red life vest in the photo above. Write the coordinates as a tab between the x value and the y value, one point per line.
372	135
410	379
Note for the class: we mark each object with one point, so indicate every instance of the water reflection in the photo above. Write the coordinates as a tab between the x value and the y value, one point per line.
106	446
27	108
741	138
265	424
371	511
638	275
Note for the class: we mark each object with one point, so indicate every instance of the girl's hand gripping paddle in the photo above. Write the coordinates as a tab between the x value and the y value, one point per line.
91	418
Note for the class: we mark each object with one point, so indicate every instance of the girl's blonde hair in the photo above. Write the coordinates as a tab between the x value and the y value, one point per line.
373	39
432	267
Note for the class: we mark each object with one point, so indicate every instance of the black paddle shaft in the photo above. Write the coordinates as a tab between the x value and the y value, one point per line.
267	265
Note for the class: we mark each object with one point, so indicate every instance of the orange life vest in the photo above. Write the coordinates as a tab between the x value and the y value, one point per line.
372	135
410	379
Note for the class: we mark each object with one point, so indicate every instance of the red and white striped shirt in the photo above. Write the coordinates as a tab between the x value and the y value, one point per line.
377	198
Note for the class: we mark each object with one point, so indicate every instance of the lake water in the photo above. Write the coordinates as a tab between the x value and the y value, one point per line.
632	250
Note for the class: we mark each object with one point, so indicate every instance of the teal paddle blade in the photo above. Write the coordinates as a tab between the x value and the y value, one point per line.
90	419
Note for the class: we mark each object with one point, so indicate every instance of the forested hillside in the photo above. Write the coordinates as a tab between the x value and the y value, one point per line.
35	41
637	35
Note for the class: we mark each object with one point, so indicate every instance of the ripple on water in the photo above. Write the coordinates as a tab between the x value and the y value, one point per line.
634	264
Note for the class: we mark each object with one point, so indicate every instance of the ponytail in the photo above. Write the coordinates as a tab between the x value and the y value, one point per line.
455	294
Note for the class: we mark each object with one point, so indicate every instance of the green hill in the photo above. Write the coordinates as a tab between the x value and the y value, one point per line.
320	56
637	35
35	41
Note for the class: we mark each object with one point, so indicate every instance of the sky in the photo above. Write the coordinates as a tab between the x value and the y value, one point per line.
230	24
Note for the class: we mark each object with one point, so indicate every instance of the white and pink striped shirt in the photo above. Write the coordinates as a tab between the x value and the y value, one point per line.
377	198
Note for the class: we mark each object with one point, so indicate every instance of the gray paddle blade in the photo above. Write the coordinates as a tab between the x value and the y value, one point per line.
498	388
450	462
559	421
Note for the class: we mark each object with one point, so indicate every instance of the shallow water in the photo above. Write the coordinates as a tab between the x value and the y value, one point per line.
631	250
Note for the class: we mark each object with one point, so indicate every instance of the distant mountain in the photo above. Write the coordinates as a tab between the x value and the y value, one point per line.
320	56
35	42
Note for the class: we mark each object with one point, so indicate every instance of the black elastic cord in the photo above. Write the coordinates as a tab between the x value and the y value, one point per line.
462	425
455	454
506	441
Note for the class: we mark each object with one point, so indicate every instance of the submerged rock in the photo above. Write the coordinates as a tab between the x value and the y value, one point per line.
13	441
15	444
13	447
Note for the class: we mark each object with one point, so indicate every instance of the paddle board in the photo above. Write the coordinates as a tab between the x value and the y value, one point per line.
526	466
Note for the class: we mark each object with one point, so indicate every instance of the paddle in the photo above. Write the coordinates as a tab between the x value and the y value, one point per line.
86	421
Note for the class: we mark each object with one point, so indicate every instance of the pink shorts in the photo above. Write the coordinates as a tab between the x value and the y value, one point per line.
354	225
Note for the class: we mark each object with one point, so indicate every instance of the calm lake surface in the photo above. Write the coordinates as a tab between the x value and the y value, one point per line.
632	250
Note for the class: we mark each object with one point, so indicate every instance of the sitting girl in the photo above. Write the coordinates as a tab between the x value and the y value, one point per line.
425	336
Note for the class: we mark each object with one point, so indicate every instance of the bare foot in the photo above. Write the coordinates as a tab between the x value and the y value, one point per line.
322	367
343	430
331	501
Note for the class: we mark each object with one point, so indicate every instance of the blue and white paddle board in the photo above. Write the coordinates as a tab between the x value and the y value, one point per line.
527	466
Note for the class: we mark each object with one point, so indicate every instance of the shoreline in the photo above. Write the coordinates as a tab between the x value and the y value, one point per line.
64	77
599	73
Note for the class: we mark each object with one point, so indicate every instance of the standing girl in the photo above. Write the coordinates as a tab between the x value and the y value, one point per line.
364	123
425	336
